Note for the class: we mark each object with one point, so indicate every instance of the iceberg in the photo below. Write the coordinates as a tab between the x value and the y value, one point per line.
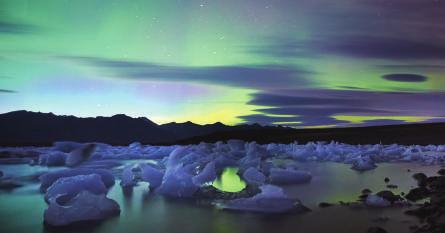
49	178
68	187
254	177
79	155
151	175
85	206
207	175
271	199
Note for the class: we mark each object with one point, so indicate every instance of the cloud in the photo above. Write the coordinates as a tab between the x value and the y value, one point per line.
247	76
319	106
7	91
405	77
15	28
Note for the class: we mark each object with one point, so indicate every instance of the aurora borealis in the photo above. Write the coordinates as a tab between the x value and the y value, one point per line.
301	63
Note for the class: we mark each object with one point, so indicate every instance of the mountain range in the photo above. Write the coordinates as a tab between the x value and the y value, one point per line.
25	128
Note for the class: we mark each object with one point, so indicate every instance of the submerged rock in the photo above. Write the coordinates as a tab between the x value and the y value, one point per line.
85	206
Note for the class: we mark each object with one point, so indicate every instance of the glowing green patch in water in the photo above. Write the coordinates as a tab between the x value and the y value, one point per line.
229	181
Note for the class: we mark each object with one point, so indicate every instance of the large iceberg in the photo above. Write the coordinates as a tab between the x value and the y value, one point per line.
85	206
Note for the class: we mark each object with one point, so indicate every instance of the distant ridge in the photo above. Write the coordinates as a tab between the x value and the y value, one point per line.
24	128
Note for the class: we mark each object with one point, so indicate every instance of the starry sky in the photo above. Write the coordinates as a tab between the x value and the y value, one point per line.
300	63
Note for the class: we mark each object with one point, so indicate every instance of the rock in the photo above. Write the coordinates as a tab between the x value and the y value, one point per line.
366	191
287	176
392	186
83	207
417	194
324	204
420	178
254	177
386	179
389	196
151	175
376	230
441	172
68	187
79	155
49	178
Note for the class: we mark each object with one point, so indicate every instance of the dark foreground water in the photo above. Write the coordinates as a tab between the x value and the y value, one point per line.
21	210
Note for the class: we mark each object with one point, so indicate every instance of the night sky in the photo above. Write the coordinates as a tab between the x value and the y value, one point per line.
302	63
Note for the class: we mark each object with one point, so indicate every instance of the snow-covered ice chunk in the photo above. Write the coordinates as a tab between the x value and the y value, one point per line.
236	145
363	164
288	176
135	145
271	199
66	146
151	175
55	158
254	177
49	178
79	155
376	201
207	175
85	206
127	178
177	182
69	187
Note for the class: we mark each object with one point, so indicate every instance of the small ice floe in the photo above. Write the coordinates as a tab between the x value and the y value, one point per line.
377	201
66	188
79	155
49	178
151	175
207	175
271	199
127	179
288	176
363	164
53	158
85	206
66	146
254	177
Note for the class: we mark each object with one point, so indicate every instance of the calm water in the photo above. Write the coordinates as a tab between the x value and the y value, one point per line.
22	209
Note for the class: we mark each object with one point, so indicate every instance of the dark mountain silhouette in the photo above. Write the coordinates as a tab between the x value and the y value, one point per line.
20	128
23	128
